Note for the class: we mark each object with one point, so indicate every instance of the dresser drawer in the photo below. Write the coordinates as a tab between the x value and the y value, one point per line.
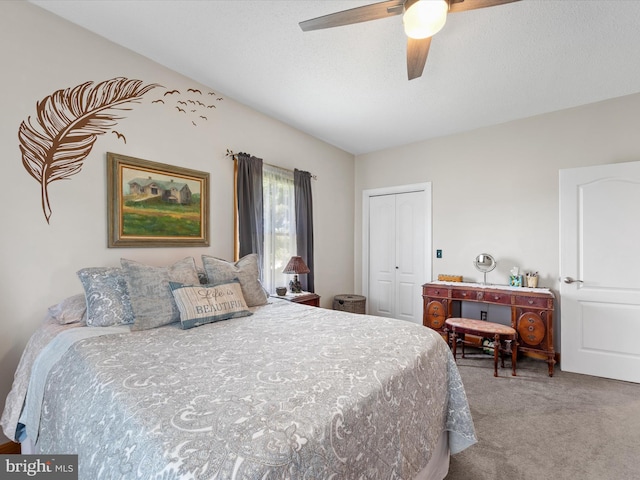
503	298
526	301
471	295
435	315
435	292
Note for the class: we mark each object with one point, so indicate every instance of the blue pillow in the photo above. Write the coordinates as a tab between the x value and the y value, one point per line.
107	296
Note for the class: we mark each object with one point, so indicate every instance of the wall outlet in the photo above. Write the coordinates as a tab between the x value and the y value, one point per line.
438	253
483	315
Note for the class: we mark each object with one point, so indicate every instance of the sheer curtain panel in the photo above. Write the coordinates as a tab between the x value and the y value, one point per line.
279	225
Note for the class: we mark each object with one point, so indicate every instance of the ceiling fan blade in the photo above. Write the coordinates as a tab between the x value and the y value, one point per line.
417	51
355	15
464	5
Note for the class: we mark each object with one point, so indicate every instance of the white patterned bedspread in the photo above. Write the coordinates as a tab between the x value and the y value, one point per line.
291	392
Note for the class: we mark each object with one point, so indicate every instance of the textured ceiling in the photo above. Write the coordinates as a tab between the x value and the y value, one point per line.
348	85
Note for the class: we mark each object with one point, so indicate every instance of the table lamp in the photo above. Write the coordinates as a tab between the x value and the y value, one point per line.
296	266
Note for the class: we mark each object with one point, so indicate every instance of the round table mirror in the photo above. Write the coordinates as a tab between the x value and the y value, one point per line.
484	263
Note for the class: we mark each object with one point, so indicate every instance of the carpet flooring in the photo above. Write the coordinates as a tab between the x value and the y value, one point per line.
533	426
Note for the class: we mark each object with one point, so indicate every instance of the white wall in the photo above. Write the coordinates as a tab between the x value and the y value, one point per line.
495	189
42	53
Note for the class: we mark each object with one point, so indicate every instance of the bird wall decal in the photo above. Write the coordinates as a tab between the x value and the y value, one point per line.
120	135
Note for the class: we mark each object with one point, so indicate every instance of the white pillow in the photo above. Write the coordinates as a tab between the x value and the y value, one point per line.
246	270
70	310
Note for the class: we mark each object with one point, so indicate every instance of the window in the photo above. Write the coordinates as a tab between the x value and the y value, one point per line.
279	225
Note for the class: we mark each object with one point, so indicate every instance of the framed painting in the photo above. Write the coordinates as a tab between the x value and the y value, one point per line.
156	205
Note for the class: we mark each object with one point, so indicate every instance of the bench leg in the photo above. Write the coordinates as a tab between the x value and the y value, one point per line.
453	344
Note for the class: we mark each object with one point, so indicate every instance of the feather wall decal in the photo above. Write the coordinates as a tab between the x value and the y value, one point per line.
66	127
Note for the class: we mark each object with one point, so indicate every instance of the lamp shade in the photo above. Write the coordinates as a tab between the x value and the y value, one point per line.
296	265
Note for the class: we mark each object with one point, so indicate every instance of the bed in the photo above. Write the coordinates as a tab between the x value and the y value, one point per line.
281	391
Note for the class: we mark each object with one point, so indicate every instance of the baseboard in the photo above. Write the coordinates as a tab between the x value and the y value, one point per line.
10	448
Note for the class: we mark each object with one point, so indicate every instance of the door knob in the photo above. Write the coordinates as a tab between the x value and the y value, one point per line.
571	280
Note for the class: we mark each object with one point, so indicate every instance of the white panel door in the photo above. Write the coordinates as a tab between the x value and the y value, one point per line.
410	254
396	255
382	255
600	270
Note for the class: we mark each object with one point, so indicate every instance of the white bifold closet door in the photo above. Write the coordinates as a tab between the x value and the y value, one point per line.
396	255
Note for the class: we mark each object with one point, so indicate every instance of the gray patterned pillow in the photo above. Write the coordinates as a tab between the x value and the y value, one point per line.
107	296
246	270
151	297
200	304
70	310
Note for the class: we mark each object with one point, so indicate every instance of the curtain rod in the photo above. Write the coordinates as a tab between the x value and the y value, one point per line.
234	156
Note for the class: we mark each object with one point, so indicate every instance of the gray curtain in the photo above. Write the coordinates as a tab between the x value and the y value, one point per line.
304	225
250	216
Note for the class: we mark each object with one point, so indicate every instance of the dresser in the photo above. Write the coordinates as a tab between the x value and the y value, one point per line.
531	311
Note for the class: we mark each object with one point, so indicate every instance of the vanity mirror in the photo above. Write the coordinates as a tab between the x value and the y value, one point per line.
484	263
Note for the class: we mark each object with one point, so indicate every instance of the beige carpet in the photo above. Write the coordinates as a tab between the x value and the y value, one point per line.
535	427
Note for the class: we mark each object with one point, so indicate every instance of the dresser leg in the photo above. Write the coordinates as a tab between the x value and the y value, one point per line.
496	353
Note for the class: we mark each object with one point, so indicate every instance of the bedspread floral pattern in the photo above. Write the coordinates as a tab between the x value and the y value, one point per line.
292	392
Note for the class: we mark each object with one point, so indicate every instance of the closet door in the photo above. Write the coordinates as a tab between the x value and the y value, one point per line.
382	255
396	255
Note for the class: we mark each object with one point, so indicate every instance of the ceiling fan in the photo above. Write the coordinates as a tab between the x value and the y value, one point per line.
422	19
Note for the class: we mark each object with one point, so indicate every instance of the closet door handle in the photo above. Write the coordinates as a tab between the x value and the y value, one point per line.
571	280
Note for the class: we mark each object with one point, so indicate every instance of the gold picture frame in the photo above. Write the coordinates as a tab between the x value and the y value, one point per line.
153	204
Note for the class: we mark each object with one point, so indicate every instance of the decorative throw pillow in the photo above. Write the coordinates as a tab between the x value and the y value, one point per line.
200	304
107	296
246	270
150	294
70	310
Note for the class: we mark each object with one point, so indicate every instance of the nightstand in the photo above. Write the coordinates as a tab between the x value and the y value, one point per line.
305	298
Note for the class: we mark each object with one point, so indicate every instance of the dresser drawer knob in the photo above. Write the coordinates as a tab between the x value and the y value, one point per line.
530	302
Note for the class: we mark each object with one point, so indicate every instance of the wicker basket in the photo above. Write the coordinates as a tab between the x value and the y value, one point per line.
350	303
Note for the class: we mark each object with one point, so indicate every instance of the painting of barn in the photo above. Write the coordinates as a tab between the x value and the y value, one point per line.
169	191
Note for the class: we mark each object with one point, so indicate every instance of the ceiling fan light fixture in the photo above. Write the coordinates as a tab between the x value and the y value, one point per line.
425	18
